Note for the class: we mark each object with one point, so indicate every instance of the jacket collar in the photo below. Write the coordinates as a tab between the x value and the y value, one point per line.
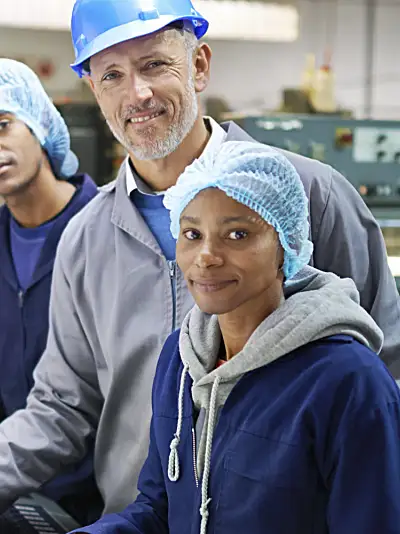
126	216
6	264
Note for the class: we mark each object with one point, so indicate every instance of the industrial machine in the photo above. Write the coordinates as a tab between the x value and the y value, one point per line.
36	514
366	152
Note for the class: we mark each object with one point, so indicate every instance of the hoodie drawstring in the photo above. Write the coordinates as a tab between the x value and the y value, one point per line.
173	460
205	500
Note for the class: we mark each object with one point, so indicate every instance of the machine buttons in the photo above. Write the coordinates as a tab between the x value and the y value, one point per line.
376	145
343	137
291	146
367	190
317	151
384	190
379	190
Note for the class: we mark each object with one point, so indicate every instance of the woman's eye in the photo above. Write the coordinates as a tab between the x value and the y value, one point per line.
4	124
237	234
191	234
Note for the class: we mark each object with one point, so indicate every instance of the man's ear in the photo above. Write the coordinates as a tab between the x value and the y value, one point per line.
89	80
202	61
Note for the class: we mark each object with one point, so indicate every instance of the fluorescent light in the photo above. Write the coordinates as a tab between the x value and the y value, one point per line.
249	21
37	14
230	20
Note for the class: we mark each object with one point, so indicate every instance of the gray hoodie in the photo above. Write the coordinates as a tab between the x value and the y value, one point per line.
328	306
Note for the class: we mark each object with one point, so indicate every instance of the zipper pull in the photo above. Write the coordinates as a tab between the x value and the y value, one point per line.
21	298
172	269
196	476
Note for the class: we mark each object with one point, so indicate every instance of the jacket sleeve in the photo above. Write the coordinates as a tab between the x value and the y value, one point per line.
349	242
364	468
149	513
63	407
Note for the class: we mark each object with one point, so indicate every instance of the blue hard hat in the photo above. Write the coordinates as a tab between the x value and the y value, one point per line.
99	24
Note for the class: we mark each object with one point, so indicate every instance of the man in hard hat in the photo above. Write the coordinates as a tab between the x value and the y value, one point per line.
117	293
42	192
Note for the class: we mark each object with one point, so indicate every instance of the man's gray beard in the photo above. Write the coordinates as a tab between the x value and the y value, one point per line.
158	148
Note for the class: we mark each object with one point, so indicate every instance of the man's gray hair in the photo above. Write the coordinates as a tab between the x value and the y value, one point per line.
186	33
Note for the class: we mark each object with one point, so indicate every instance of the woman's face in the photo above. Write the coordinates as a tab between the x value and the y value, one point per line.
230	257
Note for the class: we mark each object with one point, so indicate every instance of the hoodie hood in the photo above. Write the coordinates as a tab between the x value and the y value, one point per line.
325	306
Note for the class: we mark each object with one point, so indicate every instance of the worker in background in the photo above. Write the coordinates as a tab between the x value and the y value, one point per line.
42	193
117	293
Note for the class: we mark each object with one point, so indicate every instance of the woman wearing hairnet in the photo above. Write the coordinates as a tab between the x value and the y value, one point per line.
269	415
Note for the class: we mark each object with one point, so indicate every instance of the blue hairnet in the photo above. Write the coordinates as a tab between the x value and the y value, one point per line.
262	179
22	94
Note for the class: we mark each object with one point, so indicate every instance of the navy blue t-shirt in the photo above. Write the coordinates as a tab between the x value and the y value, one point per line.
26	246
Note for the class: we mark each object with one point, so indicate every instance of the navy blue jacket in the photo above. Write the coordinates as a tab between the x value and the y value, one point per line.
309	444
24	317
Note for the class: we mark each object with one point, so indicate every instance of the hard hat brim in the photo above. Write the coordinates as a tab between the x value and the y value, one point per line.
133	30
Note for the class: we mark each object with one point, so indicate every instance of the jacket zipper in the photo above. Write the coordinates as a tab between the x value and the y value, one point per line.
21	302
172	275
196	476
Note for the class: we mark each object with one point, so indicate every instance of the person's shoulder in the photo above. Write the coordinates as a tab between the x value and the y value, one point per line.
356	373
97	211
170	347
168	373
169	360
307	168
89	225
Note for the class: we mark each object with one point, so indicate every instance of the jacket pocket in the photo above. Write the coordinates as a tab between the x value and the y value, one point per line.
266	486
270	461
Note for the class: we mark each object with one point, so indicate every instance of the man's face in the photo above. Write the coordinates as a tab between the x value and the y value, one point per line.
146	89
21	156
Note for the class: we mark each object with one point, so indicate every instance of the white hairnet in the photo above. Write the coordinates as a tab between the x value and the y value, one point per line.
22	94
262	179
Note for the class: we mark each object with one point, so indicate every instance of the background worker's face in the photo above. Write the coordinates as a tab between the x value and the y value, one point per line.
147	90
21	156
230	257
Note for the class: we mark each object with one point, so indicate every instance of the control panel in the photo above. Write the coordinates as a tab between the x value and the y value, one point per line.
376	145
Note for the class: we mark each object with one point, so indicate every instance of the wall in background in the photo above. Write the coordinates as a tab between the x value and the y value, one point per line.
252	74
